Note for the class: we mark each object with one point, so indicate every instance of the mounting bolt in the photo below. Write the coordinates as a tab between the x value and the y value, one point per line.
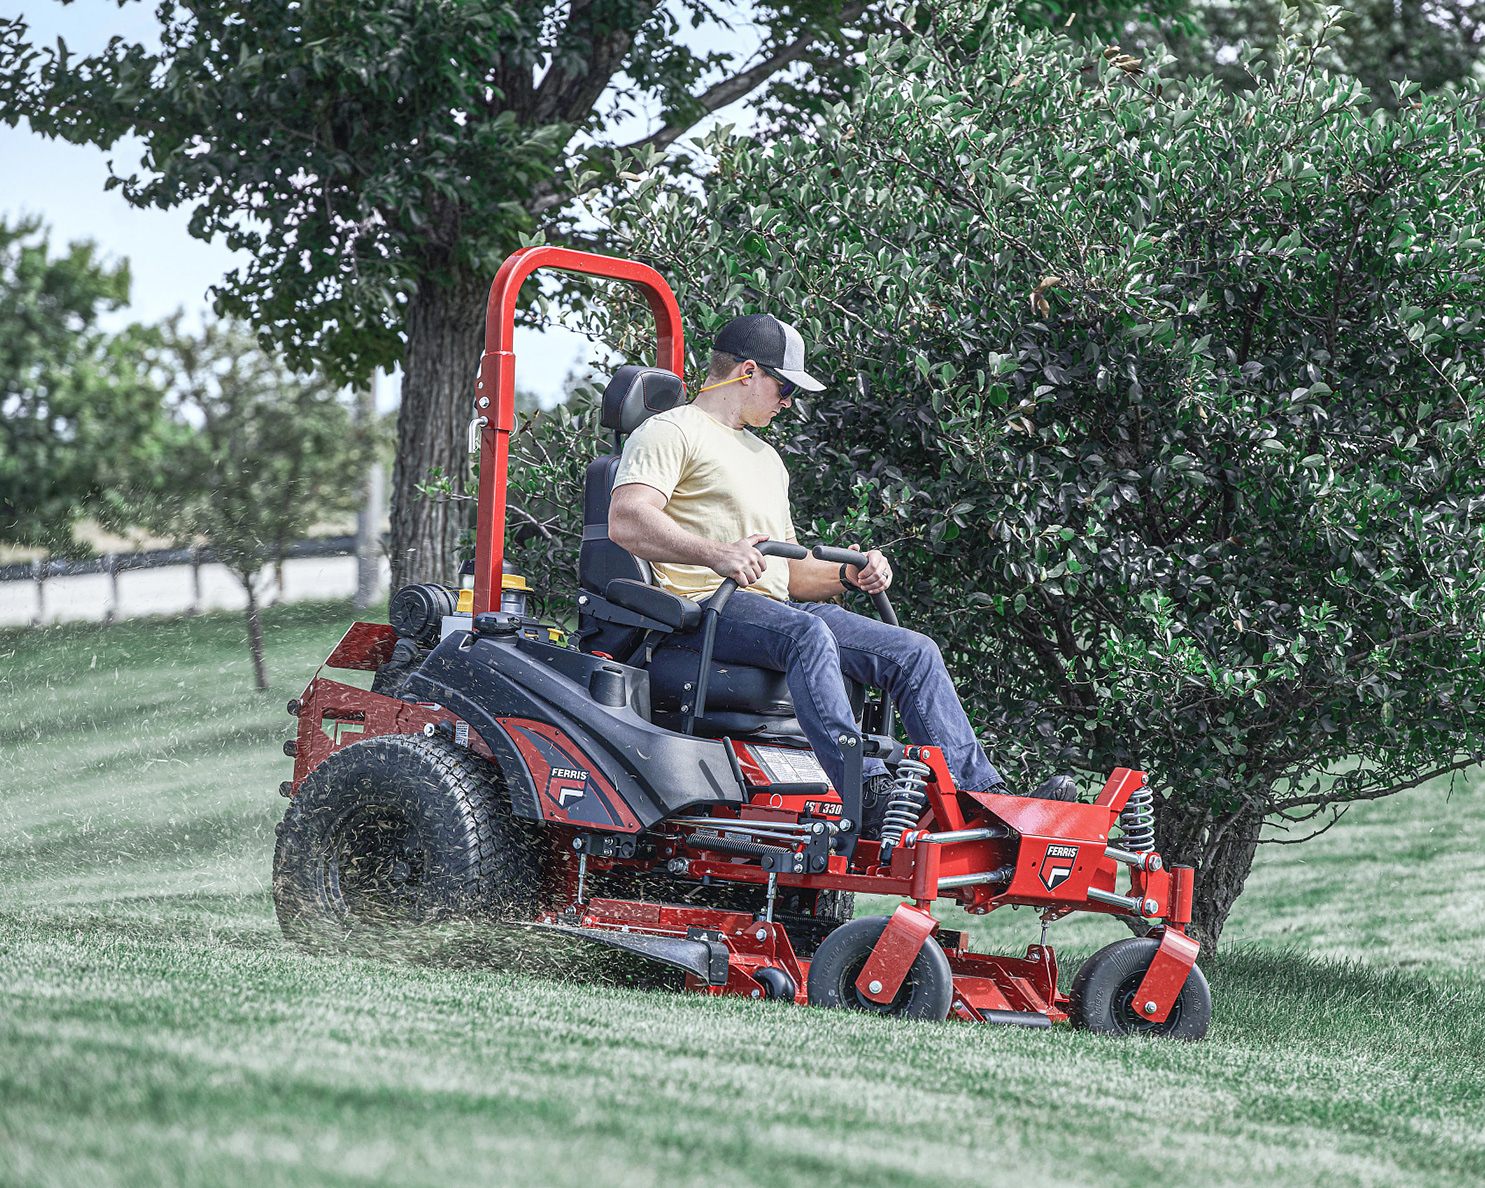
677	866
1154	862
1150	1008
845	824
1151	908
874	987
756	993
577	843
687	686
761	934
484	402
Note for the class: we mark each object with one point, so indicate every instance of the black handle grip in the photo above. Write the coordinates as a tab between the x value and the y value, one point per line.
852	557
718	601
769	548
839	556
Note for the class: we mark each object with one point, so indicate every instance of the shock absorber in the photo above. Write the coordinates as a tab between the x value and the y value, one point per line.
1138	821
906	806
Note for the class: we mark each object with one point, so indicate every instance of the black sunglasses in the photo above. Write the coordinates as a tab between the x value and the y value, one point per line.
788	389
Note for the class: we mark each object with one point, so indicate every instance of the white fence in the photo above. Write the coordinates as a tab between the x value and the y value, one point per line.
138	585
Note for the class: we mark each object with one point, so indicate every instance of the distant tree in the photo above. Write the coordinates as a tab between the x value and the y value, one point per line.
80	408
269	453
1167	402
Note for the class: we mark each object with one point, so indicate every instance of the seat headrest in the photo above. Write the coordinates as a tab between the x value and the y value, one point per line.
638	393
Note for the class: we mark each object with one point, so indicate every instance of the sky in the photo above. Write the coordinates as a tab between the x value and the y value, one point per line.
63	184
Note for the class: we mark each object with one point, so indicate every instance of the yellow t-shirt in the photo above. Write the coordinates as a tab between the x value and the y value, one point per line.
721	483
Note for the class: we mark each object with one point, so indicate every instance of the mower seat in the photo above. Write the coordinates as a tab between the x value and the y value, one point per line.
740	699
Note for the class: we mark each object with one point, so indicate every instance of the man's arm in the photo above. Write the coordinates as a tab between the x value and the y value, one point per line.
637	522
812	580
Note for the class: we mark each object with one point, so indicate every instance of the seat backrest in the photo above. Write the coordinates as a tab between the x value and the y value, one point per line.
631	397
599	559
637	393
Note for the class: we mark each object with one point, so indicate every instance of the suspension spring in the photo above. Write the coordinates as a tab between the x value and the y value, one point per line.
907	804
1138	821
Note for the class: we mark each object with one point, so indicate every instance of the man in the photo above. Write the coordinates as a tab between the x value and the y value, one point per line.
695	491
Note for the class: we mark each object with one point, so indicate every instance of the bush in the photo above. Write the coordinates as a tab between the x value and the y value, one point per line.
1165	401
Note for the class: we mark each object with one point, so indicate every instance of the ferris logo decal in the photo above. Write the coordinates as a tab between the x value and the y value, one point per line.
564	791
1057	866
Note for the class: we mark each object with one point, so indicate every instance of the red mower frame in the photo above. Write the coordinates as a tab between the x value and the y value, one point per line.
983	850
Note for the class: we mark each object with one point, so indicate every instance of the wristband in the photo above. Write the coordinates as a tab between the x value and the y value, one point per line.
847	582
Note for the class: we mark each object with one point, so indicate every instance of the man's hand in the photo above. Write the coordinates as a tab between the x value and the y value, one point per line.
740	561
873	577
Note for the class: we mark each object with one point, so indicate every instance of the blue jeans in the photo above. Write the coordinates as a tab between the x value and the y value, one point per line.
813	643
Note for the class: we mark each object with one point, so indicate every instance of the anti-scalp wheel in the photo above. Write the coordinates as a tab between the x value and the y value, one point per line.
398	831
925	993
1103	994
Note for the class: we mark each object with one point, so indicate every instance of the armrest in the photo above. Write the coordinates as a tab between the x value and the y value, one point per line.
679	614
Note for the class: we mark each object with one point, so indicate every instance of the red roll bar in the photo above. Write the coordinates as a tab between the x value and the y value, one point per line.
495	393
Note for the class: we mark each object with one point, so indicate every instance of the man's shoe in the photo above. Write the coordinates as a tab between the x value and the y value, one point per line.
1059	787
876	795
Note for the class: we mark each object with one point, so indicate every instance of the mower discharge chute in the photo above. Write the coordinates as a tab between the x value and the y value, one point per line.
612	790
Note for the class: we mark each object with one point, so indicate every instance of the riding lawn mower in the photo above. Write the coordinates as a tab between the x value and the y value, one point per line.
606	788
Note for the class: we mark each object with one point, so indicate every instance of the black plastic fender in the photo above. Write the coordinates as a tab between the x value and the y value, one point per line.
657	772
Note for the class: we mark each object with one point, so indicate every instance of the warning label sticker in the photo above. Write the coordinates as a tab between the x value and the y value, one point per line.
785	766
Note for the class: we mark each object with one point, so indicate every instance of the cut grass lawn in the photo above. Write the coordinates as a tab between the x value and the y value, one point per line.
154	1029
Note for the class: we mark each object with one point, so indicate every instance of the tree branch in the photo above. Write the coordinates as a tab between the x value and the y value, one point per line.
1294	841
1323	798
741	84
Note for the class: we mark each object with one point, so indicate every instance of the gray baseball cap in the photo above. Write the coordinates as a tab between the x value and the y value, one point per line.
773	344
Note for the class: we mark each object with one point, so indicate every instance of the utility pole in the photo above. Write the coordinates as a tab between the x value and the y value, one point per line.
369	518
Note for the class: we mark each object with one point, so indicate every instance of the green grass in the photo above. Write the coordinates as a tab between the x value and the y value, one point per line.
155	1030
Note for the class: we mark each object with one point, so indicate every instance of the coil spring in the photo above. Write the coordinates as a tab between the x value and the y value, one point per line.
1138	821
907	803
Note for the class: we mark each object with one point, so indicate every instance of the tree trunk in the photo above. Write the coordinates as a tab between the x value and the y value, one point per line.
255	636
445	337
1221	848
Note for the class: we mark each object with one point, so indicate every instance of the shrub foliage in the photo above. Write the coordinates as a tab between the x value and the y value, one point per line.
1165	400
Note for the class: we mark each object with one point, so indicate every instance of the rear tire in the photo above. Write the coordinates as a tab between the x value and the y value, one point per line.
1102	995
396	832
925	993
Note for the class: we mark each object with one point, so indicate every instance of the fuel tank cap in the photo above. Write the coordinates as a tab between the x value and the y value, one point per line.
496	623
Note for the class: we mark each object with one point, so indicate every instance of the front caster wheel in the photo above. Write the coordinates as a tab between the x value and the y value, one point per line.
925	993
1102	997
